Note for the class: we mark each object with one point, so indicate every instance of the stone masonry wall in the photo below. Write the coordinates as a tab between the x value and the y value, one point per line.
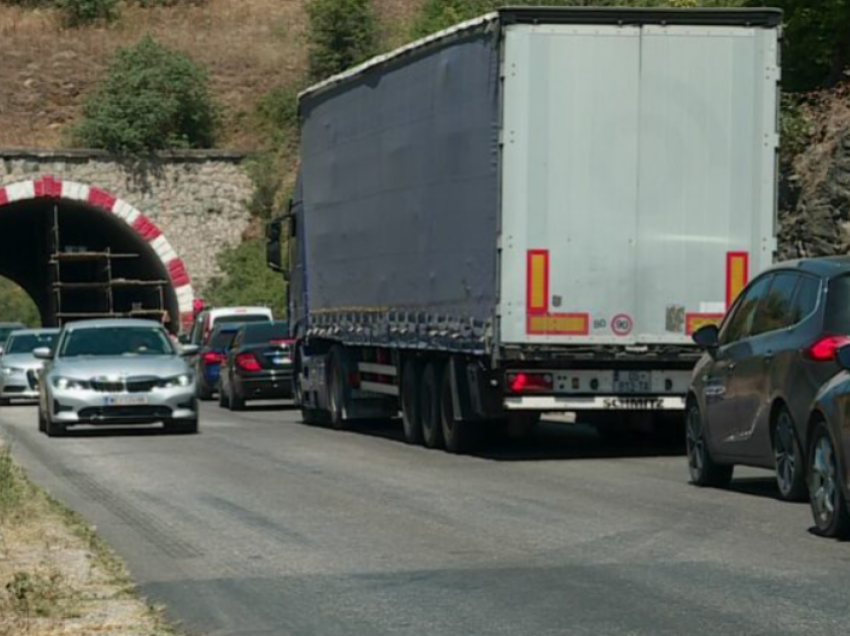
197	198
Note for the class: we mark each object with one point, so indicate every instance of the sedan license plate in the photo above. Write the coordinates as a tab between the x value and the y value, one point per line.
125	400
632	382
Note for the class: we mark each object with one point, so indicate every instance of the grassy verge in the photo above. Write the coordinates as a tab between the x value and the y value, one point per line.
56	575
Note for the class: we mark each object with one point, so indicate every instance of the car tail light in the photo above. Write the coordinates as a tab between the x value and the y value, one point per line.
824	349
248	362
213	357
526	382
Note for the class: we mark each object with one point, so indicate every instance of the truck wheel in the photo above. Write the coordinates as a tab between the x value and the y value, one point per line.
459	435
429	403
336	392
411	413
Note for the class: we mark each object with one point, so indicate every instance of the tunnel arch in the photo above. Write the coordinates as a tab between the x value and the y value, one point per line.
100	209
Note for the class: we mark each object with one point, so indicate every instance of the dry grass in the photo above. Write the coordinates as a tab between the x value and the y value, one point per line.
248	46
56	577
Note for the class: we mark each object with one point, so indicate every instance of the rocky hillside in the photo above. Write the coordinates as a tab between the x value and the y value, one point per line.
248	46
815	188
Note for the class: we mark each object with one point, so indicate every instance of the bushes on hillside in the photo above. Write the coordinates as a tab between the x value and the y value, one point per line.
79	12
343	33
247	280
153	98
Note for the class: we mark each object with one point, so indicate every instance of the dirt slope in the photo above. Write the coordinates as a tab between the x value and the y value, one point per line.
248	47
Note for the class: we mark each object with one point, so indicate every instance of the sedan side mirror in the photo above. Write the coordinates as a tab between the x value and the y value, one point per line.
843	357
189	350
707	337
43	353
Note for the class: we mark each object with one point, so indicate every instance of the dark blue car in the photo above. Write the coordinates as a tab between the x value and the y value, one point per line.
211	356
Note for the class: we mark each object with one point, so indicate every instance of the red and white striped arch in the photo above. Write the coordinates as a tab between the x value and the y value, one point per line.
49	187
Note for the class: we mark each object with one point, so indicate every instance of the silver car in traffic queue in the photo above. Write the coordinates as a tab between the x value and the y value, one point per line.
18	365
115	372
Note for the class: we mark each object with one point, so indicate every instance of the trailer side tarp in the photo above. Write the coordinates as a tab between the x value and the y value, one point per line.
400	174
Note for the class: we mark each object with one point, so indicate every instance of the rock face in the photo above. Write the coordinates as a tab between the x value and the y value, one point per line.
197	198
814	204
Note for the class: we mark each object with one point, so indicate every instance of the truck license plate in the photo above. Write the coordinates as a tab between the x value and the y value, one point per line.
632	381
634	404
125	400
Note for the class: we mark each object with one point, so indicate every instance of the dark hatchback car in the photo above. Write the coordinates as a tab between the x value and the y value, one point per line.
258	365
752	393
211	356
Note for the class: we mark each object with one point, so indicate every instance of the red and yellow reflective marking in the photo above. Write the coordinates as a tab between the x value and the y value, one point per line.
538	281
737	275
539	321
559	324
693	322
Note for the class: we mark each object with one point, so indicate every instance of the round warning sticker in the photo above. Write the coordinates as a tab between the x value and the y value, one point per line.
622	324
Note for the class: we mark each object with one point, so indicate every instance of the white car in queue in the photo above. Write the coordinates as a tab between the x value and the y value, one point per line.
116	372
18	365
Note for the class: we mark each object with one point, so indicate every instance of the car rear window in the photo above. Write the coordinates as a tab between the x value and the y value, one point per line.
256	334
221	339
837	319
242	318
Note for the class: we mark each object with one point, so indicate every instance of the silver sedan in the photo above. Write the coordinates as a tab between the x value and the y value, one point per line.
18	365
116	372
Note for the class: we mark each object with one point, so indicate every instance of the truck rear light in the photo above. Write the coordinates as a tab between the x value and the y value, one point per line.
524	381
212	357
248	362
824	349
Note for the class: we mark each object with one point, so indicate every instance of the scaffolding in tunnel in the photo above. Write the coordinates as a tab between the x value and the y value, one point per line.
89	283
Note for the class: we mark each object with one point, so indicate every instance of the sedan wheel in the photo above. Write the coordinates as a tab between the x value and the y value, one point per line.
790	476
703	469
829	508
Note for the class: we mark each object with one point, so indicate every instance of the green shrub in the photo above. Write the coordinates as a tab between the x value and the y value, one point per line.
343	33
795	129
247	280
816	42
153	98
80	12
16	305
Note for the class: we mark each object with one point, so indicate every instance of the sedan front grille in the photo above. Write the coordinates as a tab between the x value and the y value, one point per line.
126	385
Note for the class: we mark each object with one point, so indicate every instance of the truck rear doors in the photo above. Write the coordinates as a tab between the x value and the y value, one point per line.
638	178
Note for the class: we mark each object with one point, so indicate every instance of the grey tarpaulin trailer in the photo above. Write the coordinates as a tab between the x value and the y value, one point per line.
540	206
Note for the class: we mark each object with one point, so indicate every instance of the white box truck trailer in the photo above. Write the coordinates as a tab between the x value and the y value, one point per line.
530	212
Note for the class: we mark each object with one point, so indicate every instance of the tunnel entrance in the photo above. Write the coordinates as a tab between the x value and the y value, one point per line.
81	253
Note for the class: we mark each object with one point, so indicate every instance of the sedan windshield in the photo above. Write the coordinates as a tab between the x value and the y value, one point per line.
28	342
116	341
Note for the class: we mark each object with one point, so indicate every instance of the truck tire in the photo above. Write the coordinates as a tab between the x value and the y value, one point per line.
336	390
459	435
429	403
411	413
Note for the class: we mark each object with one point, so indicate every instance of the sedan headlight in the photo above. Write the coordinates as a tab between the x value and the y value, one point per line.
71	384
183	380
7	371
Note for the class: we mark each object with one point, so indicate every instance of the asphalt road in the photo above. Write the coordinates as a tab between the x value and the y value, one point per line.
261	525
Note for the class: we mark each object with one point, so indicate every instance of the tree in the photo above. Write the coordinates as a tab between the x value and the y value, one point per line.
247	280
343	33
16	305
153	98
